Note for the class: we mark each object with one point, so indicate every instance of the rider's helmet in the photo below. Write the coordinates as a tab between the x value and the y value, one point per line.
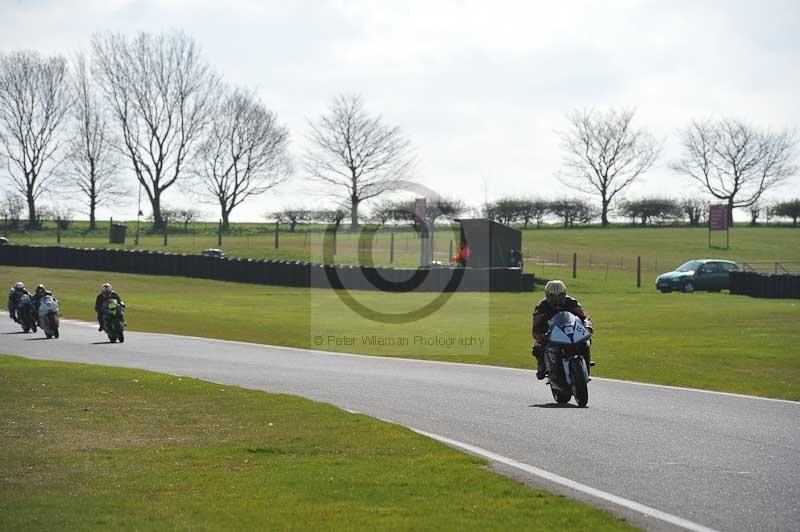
556	293
105	288
40	289
20	286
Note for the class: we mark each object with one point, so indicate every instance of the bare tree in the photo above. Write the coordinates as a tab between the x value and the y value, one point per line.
695	208
405	211
573	210
245	153
291	216
92	162
160	91
652	209
34	101
734	161
788	209
533	209
184	215
755	210
604	153
356	154
11	210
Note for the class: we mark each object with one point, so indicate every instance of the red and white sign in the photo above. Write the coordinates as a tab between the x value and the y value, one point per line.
718	218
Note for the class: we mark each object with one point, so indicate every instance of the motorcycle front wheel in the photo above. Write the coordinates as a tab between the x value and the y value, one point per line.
579	385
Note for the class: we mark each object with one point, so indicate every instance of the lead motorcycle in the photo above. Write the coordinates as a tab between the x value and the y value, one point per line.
48	316
567	358
25	313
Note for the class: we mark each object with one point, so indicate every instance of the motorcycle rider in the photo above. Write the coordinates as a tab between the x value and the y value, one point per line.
14	295
106	293
38	295
555	300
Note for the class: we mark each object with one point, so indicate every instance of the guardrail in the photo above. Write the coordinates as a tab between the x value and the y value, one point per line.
769	285
271	272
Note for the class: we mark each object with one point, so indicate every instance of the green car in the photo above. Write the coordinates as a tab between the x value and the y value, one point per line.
702	274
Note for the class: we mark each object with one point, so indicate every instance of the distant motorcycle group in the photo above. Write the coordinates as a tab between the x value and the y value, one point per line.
41	310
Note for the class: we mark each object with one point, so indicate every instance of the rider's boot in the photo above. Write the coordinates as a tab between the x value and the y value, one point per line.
541	369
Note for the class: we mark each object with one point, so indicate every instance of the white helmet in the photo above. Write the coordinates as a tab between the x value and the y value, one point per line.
106	288
20	286
556	292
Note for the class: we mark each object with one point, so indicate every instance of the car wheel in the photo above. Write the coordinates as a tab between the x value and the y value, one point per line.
687	287
664	290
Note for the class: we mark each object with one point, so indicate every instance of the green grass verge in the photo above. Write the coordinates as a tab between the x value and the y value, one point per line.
704	340
97	448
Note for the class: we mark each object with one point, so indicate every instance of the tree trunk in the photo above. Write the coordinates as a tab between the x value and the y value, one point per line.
92	209
730	212
604	213
354	214
225	219
158	220
31	211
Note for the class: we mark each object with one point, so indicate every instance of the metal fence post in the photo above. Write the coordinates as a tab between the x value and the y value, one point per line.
574	265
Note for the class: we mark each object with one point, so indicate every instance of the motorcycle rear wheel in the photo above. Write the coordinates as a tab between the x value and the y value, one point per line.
561	396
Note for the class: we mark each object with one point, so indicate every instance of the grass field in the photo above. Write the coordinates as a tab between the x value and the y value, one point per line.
612	249
707	340
97	448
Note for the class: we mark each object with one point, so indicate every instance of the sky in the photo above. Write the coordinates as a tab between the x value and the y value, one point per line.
481	89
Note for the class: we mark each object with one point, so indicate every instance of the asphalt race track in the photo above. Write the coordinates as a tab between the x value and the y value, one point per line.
664	458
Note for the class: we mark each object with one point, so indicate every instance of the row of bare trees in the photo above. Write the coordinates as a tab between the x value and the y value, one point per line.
148	103
152	105
734	161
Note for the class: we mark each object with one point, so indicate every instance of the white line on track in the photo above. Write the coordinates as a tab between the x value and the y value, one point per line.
577	486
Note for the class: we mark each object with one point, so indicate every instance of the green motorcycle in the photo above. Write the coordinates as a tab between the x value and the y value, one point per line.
114	320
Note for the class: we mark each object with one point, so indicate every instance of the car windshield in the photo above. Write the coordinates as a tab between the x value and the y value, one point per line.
690	266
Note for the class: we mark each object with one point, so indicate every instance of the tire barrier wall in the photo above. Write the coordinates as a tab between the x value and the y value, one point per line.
775	286
270	272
